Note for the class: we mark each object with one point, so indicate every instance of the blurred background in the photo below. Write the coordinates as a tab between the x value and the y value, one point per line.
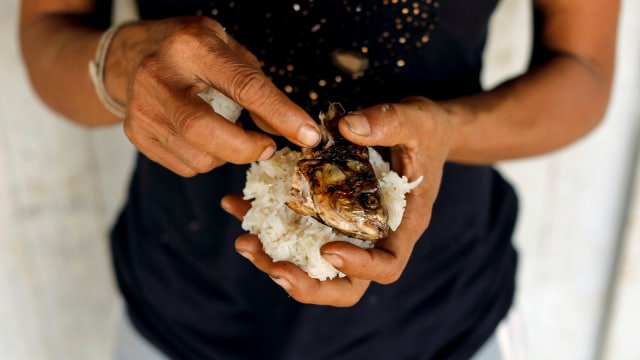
578	235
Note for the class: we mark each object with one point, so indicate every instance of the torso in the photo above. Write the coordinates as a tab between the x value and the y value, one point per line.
193	296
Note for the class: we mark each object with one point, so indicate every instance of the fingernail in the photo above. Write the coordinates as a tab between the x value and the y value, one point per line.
334	259
358	123
267	153
308	135
284	283
245	254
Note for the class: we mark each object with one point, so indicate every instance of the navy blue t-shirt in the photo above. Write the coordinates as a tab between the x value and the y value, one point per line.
194	297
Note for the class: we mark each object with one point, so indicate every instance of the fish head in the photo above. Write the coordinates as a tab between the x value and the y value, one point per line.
349	202
336	184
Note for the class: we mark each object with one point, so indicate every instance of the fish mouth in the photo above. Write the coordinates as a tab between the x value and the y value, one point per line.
368	229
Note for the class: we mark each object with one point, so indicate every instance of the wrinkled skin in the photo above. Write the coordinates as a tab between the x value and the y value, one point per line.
157	67
401	127
336	184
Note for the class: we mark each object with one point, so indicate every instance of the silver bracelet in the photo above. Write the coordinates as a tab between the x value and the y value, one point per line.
96	72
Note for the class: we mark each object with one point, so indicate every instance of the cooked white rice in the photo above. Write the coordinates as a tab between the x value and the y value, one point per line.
287	236
221	104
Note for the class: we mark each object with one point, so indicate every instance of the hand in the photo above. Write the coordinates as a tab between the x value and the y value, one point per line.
158	67
419	134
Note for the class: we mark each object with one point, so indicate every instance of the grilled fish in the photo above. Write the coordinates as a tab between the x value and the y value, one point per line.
336	184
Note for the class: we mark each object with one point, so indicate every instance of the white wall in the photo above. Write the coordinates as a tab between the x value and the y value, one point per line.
573	203
60	187
619	341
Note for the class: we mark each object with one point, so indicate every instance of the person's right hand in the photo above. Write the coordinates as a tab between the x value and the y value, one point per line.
157	68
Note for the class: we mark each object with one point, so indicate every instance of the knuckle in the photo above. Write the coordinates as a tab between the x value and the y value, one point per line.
209	23
250	87
147	69
170	139
390	276
389	110
194	36
188	124
301	297
217	163
157	77
186	37
203	163
185	172
151	79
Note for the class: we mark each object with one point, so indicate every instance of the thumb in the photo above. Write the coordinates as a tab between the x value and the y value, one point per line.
226	65
380	125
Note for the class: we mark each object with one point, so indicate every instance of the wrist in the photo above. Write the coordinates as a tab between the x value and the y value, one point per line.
97	73
459	118
121	61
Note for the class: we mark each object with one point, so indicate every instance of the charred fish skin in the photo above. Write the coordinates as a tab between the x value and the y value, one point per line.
336	184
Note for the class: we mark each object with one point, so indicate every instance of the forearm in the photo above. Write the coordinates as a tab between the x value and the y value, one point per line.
57	50
543	110
559	100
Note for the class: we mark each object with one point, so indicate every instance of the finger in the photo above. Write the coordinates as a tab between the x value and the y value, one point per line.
383	264
386	262
214	135
243	81
202	136
336	292
158	153
263	125
339	292
139	129
235	205
256	93
383	125
155	126
200	161
205	56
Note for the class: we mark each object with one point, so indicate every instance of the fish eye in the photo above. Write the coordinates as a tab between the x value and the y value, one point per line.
369	201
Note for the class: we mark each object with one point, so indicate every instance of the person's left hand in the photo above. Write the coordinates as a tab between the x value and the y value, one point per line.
419	133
